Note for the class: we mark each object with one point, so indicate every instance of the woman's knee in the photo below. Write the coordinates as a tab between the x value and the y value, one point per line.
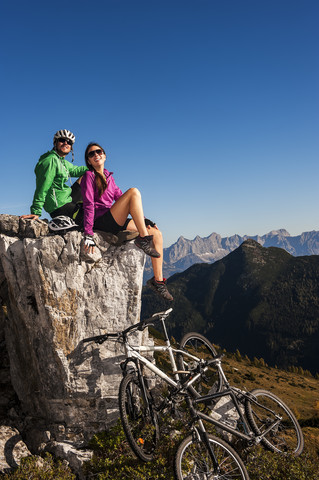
133	191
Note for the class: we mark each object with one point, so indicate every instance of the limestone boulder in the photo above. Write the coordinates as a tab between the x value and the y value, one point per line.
55	295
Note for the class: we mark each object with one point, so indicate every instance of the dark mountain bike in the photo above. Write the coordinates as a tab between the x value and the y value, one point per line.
256	417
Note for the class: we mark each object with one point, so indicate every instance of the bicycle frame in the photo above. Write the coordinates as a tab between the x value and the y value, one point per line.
232	392
133	354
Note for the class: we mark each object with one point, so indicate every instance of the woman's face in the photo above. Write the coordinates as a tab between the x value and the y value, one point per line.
96	157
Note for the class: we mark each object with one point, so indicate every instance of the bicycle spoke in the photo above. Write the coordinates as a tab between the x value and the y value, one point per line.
193	461
139	421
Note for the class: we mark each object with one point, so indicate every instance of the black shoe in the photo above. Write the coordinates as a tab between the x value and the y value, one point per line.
145	244
160	288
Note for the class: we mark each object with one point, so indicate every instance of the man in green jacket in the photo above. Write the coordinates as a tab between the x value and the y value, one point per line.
52	171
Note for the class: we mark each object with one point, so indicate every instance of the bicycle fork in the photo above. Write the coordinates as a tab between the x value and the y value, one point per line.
201	435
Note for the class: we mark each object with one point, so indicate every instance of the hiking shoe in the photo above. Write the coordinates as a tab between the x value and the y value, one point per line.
145	244
160	288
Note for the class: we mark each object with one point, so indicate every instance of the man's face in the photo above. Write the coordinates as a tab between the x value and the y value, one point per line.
63	146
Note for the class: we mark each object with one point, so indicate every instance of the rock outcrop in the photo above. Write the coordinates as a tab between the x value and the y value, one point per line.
55	295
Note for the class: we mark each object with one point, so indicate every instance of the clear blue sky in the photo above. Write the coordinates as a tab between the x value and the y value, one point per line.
209	107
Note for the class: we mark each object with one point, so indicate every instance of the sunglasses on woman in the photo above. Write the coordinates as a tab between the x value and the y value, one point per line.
95	152
65	140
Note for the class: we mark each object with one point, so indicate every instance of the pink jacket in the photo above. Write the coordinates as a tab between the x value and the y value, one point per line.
94	205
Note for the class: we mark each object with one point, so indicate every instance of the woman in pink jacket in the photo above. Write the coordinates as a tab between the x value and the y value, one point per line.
106	208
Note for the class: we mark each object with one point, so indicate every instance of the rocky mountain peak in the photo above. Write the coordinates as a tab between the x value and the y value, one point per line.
281	232
184	253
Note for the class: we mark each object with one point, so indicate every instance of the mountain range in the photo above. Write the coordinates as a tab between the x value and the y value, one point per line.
262	301
184	253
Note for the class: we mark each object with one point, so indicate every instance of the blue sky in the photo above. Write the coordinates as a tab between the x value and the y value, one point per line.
210	108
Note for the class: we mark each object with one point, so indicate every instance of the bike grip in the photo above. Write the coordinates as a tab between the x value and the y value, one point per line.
97	339
90	339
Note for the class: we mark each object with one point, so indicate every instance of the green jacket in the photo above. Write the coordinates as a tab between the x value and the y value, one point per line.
52	171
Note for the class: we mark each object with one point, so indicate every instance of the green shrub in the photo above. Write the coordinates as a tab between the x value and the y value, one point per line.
38	468
113	460
265	465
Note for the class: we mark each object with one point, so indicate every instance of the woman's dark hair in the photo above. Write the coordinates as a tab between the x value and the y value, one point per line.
101	183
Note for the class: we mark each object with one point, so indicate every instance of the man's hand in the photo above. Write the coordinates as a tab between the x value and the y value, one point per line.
30	217
89	244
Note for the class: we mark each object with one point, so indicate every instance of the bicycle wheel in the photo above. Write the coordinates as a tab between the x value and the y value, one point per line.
138	418
198	346
286	437
193	461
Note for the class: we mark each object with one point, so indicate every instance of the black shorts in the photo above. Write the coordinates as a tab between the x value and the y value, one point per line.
106	223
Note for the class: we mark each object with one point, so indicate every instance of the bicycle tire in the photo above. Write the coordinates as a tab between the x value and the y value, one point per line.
287	437
193	462
138	418
201	347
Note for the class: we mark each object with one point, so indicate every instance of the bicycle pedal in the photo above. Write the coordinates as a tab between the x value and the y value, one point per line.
181	371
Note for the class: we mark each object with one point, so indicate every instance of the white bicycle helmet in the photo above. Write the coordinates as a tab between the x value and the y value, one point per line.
61	222
64	134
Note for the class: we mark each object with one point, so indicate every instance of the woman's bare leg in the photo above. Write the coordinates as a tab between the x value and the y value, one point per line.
157	263
130	203
157	283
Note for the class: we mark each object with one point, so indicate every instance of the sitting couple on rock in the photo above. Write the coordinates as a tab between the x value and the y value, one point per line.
104	207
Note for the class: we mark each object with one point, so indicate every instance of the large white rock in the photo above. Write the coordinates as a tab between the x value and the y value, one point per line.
57	296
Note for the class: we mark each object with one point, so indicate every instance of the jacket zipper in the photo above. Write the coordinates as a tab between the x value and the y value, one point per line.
56	202
67	171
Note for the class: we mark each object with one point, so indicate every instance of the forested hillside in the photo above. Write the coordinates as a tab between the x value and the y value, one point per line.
262	301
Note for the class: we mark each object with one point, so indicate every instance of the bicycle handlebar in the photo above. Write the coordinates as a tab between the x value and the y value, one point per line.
137	326
100	338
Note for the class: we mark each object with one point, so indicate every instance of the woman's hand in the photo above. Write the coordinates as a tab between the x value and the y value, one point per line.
89	244
149	227
30	217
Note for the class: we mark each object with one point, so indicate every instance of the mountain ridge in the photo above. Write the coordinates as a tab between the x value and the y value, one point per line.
184	252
